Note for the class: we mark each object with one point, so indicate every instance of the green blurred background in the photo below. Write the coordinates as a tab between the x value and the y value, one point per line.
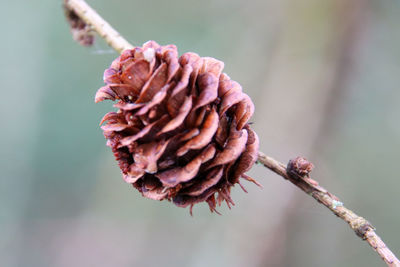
324	76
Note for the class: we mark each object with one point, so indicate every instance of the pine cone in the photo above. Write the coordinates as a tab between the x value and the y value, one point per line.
181	131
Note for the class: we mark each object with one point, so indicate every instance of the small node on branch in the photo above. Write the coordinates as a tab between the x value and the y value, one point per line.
80	30
361	226
299	167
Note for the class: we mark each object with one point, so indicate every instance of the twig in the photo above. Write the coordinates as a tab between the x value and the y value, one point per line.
90	16
359	225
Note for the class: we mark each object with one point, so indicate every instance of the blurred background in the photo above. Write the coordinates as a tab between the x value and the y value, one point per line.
324	76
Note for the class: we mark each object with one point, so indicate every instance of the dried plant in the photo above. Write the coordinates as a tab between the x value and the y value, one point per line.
141	132
181	131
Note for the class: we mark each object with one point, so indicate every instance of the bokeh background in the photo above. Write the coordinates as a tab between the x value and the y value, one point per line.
324	76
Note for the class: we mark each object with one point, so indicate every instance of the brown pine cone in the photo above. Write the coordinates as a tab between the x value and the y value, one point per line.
181	131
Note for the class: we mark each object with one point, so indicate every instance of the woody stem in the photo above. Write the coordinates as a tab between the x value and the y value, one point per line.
358	224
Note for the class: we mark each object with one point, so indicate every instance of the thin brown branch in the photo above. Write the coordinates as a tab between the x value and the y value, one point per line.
98	24
359	225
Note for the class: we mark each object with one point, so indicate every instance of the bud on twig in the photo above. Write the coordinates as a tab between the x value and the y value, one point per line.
81	32
299	167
